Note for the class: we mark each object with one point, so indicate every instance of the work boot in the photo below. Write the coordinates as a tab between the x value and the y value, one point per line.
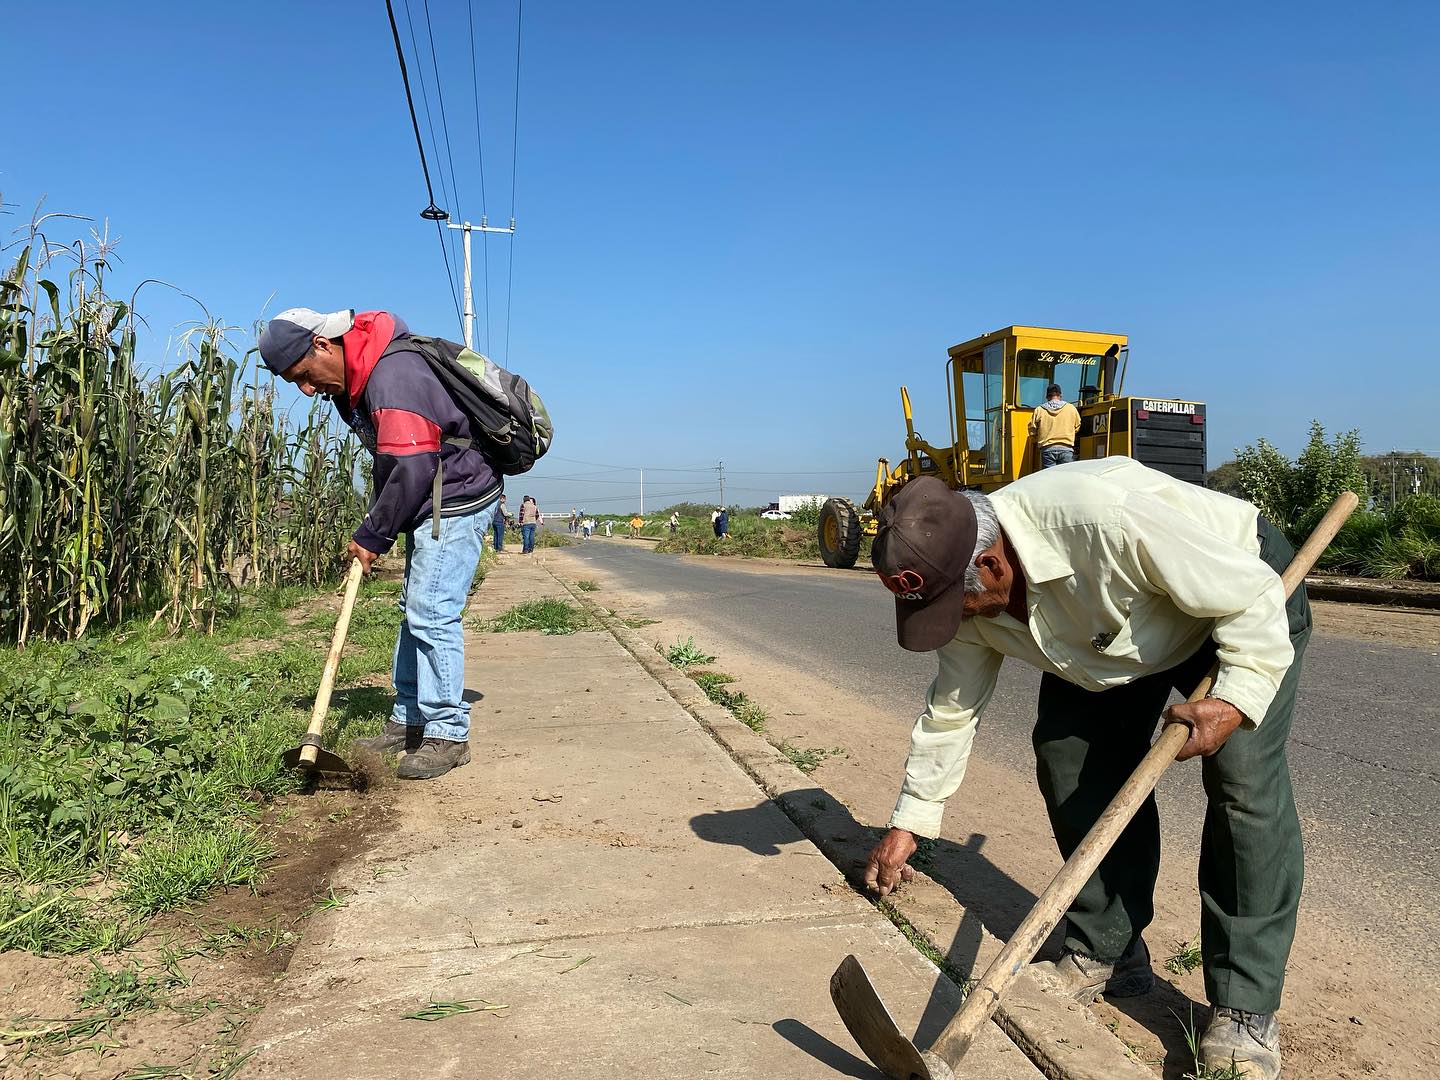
1085	979
1242	1044
393	739
435	757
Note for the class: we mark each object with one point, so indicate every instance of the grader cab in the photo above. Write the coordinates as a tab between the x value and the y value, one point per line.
994	383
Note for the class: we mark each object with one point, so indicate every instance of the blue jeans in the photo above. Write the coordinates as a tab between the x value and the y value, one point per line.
499	528
429	672
1056	455
527	538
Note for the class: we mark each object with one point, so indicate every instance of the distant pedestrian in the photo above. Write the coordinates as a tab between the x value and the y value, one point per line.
574	520
530	518
502	519
720	522
674	521
588	526
636	524
607	528
1053	426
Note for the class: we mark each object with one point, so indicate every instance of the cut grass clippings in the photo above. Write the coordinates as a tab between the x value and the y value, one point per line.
548	616
1186	959
443	1010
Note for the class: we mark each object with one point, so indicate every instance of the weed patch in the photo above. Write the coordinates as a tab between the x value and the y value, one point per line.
587	585
547	616
685	654
807	761
170	871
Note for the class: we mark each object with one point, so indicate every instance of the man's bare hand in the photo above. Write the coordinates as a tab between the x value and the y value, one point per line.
365	555
1211	722
888	865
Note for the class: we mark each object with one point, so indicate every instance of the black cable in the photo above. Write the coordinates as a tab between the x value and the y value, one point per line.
434	146
440	97
480	146
514	150
420	145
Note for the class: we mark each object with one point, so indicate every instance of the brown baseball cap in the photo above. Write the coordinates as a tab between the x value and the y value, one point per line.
924	544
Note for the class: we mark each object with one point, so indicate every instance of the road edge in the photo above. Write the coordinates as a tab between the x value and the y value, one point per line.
1063	1039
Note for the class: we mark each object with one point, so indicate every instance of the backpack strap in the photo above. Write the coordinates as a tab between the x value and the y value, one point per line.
439	482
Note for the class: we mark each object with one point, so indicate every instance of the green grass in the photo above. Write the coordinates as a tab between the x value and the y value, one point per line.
751	536
1186	959
548	616
144	759
1204	1072
587	585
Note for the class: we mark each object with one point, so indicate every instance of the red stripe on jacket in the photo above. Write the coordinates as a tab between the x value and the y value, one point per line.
402	433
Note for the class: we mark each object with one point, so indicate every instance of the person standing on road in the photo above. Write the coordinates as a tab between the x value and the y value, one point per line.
1053	427
607	528
392	400
636	524
502	519
1120	584
529	519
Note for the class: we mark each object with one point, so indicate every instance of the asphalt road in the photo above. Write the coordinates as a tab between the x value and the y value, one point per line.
1363	750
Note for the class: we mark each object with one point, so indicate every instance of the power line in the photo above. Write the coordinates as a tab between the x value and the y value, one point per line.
480	147
514	153
440	97
434	146
420	145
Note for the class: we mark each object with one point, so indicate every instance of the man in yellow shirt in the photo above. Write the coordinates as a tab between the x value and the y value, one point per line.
1120	584
636	524
1053	426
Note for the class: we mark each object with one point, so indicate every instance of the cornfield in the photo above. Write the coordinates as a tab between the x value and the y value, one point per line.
125	493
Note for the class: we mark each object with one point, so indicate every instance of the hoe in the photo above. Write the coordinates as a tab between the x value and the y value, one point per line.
850	988
310	755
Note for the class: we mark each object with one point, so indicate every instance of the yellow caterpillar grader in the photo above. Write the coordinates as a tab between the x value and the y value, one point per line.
994	383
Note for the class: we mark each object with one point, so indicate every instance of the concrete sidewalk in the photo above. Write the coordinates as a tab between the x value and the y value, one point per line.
607	873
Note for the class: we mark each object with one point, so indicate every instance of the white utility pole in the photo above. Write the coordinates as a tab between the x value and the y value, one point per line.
642	492
722	483
466	228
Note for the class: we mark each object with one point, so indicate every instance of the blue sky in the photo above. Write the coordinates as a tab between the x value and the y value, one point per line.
743	225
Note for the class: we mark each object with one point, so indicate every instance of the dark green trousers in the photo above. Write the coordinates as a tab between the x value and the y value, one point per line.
1251	862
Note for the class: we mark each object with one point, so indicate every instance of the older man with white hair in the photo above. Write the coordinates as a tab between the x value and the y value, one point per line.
1121	585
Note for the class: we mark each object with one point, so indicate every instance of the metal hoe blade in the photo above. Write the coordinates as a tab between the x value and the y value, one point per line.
873	1028
325	761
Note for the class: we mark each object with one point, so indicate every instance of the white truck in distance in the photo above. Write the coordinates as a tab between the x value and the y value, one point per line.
788	504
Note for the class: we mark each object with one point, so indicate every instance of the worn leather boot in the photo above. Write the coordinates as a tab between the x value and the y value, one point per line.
1084	979
393	739
435	757
1242	1044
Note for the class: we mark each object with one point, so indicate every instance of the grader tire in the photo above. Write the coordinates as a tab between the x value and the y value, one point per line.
839	533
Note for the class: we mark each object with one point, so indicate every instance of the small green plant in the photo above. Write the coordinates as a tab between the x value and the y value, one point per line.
548	616
1186	959
127	988
807	761
924	857
170	871
587	585
1204	1072
686	654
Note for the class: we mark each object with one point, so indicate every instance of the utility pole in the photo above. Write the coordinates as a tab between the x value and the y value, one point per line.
721	468
642	492
466	228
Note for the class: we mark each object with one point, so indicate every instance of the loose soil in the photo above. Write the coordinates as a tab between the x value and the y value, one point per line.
1345	1016
200	1026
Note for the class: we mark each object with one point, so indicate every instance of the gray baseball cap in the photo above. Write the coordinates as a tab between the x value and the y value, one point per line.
288	336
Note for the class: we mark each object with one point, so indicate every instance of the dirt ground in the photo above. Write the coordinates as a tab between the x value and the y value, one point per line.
1344	1018
232	952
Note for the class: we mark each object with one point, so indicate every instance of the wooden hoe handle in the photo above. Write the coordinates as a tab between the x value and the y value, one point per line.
983	998
310	749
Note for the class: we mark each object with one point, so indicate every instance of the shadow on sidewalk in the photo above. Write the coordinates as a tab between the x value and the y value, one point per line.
806	1038
989	898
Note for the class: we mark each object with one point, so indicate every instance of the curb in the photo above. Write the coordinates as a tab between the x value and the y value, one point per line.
1062	1038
